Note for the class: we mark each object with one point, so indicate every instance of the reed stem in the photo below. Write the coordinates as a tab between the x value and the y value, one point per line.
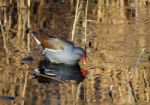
4	41
28	36
77	14
25	86
85	23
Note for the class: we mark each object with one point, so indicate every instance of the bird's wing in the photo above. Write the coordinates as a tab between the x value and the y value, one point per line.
52	42
59	44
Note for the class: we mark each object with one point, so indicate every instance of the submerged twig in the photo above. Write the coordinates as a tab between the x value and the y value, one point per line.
132	75
132	91
135	68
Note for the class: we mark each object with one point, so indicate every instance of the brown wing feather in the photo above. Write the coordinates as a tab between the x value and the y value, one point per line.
52	43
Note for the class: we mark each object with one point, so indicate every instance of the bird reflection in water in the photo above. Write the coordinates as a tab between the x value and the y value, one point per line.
47	72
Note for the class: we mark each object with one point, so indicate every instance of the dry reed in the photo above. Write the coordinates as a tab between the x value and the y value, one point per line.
85	23
28	35
77	14
25	86
29	3
5	42
28	25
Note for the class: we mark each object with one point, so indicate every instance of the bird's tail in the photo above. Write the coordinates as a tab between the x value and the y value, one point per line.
35	36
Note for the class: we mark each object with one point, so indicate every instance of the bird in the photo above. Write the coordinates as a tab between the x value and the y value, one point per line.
58	71
58	50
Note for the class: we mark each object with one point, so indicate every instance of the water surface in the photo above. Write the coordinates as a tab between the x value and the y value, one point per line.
116	35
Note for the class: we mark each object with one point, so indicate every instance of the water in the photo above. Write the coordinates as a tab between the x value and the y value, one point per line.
115	37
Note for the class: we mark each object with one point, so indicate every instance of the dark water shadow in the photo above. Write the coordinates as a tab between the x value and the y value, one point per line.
48	72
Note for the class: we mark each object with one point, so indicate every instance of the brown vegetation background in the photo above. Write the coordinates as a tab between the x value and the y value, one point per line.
115	32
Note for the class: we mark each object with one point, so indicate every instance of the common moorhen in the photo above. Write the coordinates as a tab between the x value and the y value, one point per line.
58	71
58	50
